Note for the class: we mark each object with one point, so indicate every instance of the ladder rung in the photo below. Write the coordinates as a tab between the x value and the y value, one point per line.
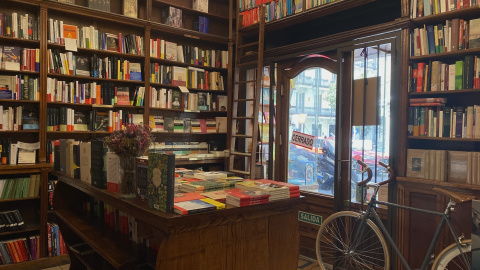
249	81
248	44
240	172
242	136
251	63
243	99
241	154
243	117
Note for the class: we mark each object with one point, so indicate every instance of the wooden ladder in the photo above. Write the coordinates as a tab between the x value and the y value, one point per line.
246	98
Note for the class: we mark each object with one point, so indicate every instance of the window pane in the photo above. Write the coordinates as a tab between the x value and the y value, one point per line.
312	111
370	136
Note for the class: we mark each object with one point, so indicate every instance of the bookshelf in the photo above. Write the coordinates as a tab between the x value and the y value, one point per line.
415	191
145	26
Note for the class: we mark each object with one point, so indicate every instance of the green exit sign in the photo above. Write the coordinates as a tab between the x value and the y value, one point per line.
310	218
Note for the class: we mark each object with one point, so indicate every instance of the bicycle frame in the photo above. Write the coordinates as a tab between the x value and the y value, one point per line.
444	219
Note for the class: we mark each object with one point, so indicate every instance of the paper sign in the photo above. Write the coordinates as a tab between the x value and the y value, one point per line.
71	44
29	146
302	139
184	89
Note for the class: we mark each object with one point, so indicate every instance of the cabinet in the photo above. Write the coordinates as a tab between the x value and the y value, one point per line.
446	86
234	238
32	208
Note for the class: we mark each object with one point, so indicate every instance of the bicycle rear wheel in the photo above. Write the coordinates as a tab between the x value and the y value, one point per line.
451	258
334	244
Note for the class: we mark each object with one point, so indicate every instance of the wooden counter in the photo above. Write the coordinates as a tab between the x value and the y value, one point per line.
254	237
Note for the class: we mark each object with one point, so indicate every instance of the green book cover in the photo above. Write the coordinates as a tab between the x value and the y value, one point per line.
26	186
6	188
459	75
161	181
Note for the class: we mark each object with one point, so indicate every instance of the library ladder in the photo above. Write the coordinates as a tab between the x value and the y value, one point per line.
246	97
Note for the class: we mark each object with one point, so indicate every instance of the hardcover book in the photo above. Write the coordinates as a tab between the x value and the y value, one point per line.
142	184
135	71
200	5
11	58
85	162
80	121
172	16
82	66
130	8
29	119
123	95
112	42
416	164
161	181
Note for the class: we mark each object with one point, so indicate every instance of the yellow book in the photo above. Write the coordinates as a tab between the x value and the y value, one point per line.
219	205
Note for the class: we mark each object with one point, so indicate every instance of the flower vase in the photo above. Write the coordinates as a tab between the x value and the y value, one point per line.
127	185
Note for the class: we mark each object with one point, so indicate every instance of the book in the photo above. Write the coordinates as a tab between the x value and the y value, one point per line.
98	164
142	183
474	34
112	42
29	119
85	164
11	58
161	181
123	95
172	16
457	166
200	5
113	172
82	66
135	71
130	8
80	122
103	5
416	164
197	206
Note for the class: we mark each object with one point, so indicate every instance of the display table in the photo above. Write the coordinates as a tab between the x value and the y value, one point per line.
255	237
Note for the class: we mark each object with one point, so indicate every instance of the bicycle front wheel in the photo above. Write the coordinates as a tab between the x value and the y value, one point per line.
336	248
451	257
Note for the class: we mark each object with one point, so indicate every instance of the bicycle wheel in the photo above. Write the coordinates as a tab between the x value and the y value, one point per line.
450	257
334	240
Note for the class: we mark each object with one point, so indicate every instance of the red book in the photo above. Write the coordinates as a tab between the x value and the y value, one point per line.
189	196
247	195
426	104
427	100
13	253
291	187
420	76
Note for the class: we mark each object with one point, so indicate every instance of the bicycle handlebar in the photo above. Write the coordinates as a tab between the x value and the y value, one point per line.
367	169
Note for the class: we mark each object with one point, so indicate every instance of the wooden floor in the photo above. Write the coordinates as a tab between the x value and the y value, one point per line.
304	263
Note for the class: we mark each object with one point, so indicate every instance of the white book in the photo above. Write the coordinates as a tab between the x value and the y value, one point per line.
440	124
451	77
476	132
85	162
469	124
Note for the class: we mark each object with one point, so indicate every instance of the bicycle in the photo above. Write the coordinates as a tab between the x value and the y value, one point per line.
351	240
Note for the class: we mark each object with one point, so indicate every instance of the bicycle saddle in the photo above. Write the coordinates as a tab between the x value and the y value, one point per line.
456	197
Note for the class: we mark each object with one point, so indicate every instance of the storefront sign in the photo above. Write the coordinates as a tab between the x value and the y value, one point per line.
310	218
302	139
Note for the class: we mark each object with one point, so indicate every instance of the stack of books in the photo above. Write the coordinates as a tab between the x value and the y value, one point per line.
239	197
275	191
206	185
190	203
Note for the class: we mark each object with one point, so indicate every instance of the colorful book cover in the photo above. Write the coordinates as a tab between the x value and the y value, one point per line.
161	181
130	8
11	58
123	96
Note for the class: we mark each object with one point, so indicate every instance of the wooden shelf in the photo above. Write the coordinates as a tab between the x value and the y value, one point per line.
29	229
438	183
76	77
99	15
464	13
20	41
20	131
3	101
100	52
16	72
445	55
19	199
113	247
183	111
175	63
447	92
189	33
25	168
443	139
94	106
41	263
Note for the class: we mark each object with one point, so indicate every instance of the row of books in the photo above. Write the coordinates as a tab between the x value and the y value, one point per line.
455	34
162	49
19	87
422	8
109	67
90	37
20	250
191	77
189	149
55	244
11	221
175	99
19	152
445	76
104	93
18	58
248	4
444	121
18	118
16	188
443	165
69	119
188	125
274	10
16	25
130	7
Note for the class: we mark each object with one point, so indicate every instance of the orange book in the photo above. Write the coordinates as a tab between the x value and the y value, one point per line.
99	95
69	31
22	252
13	253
